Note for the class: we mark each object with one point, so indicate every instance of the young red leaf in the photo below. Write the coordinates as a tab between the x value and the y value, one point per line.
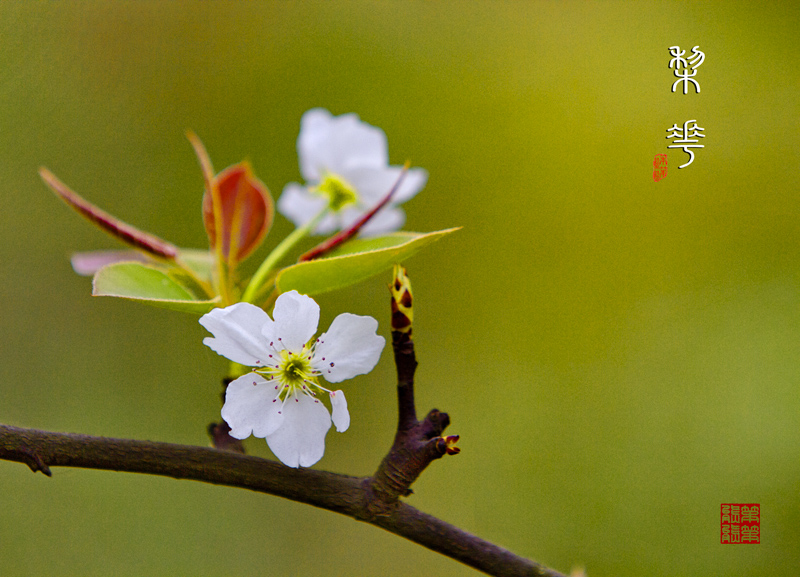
126	233
247	211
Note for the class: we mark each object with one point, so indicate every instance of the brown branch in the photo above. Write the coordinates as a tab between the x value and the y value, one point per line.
343	494
375	499
416	443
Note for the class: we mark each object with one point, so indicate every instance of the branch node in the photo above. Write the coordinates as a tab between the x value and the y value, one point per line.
435	423
35	462
221	438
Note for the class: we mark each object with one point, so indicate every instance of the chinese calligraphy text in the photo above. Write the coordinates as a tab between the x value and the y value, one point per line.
686	138
741	523
678	63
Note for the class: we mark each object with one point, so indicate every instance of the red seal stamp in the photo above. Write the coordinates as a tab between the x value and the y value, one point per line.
660	164
740	523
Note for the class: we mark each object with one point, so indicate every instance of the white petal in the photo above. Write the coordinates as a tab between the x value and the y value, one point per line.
356	143
252	407
349	348
330	223
415	180
335	144
385	220
296	319
315	128
88	263
298	204
300	440
373	184
237	333
341	417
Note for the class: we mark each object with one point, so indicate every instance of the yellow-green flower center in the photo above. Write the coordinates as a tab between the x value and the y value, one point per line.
295	370
292	371
340	193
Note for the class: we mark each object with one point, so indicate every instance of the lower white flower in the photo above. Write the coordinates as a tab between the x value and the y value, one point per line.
278	400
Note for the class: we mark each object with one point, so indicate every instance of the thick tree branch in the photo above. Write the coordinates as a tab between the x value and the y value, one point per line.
375	499
343	494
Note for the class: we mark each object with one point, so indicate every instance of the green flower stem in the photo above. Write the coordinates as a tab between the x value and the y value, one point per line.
263	273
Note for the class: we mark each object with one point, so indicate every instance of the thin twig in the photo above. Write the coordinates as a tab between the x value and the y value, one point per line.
416	443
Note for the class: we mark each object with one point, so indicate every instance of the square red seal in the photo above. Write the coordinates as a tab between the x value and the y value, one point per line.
740	523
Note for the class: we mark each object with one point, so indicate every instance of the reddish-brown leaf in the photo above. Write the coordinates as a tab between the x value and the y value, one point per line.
247	212
125	232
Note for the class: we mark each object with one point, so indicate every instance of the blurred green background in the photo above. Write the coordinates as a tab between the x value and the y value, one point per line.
619	355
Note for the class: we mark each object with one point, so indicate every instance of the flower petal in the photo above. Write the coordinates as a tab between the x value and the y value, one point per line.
252	407
373	183
300	440
414	181
88	263
335	144
237	333
350	347
385	220
296	319
341	416
299	205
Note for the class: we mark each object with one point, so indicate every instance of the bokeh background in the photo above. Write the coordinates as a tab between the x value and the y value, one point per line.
619	355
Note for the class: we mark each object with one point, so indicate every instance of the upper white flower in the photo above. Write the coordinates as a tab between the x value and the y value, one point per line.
278	400
346	162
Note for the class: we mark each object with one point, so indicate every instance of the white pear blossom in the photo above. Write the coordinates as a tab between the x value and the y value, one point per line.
278	400
345	162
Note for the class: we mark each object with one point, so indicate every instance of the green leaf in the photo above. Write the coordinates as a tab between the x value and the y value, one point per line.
200	262
355	261
148	284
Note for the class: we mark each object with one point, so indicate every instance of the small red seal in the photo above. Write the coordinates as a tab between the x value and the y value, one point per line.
740	524
660	164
